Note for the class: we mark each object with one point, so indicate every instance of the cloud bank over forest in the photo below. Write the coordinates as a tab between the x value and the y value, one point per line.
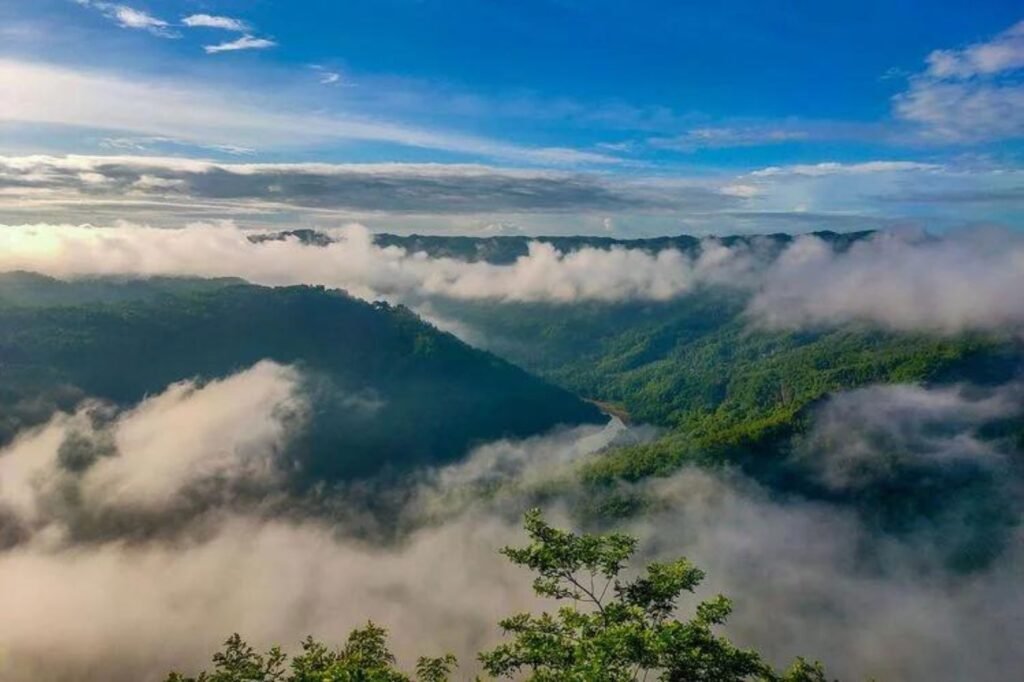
966	280
122	607
165	189
900	427
904	281
398	188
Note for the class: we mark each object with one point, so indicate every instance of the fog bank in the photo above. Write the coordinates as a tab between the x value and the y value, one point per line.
807	578
901	281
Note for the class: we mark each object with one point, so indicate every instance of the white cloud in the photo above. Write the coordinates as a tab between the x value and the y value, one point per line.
962	281
147	144
221	115
741	190
130	612
971	94
355	263
133	18
325	76
724	137
130	17
957	111
232	428
470	198
152	182
799	573
227	430
1005	52
835	168
210	21
246	42
863	437
353	191
137	609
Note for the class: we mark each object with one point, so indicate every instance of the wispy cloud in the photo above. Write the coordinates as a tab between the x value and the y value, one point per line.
357	264
1004	52
246	42
392	188
325	75
721	137
211	21
882	193
200	113
973	94
130	17
149	144
835	168
963	112
166	191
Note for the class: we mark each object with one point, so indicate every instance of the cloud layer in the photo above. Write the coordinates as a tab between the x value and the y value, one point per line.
116	607
392	188
961	281
130	17
901	281
473	199
205	114
902	427
355	263
971	94
806	578
227	432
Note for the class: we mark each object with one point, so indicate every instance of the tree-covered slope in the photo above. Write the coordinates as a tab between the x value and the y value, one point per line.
696	364
697	358
726	392
33	289
388	390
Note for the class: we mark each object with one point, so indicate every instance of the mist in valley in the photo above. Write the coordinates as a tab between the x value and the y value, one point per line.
91	596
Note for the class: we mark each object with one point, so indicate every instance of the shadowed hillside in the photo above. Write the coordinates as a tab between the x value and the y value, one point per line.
388	390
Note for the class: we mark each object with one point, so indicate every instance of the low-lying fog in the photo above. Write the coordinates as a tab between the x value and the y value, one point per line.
89	597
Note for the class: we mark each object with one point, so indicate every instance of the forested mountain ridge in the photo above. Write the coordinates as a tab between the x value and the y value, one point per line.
24	288
431	395
696	364
502	250
678	363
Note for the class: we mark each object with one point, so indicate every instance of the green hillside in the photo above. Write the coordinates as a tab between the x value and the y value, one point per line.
432	395
729	394
697	364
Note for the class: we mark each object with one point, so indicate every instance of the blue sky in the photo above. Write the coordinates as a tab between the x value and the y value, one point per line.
796	115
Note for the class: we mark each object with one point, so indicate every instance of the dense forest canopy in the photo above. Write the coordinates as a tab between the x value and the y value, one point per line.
390	390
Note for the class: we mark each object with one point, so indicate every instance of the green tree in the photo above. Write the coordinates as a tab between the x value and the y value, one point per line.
611	630
239	662
365	657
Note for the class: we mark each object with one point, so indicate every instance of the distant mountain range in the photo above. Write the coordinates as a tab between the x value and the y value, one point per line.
505	249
